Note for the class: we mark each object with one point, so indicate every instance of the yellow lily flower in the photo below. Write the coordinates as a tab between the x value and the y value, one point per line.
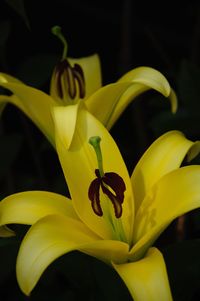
74	80
111	216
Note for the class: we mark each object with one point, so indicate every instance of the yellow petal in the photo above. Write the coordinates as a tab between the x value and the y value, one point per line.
146	279
6	232
173	101
108	103
142	79
92	72
5	78
66	123
102	103
28	207
4	99
149	77
79	162
176	193
163	156
130	94
34	103
54	236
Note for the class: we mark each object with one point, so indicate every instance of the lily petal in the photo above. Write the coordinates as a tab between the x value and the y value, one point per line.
103	102
77	157
5	78
176	193
28	207
92	72
149	77
29	99
163	156
53	236
4	98
113	99
6	232
147	278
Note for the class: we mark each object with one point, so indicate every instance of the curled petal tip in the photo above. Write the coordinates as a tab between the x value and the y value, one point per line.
194	151
174	101
6	232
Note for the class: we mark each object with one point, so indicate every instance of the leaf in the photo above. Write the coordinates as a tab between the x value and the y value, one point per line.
18	6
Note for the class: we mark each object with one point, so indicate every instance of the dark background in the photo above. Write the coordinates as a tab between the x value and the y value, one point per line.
126	34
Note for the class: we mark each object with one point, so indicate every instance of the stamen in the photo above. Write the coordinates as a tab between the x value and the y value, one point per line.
114	187
79	75
70	81
58	83
93	194
111	184
70	76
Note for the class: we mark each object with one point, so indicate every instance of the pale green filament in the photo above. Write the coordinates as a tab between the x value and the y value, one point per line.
95	142
56	30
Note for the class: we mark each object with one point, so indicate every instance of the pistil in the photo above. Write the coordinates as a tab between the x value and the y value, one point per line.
56	30
68	80
95	142
111	184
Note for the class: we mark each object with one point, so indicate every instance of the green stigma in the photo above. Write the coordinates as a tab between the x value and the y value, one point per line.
95	142
57	31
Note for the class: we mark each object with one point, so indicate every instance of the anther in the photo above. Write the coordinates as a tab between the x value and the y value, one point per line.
69	79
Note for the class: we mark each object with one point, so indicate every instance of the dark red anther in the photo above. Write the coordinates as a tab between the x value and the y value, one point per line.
73	77
113	186
93	194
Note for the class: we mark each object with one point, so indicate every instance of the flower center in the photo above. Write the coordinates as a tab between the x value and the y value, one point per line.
110	183
71	79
